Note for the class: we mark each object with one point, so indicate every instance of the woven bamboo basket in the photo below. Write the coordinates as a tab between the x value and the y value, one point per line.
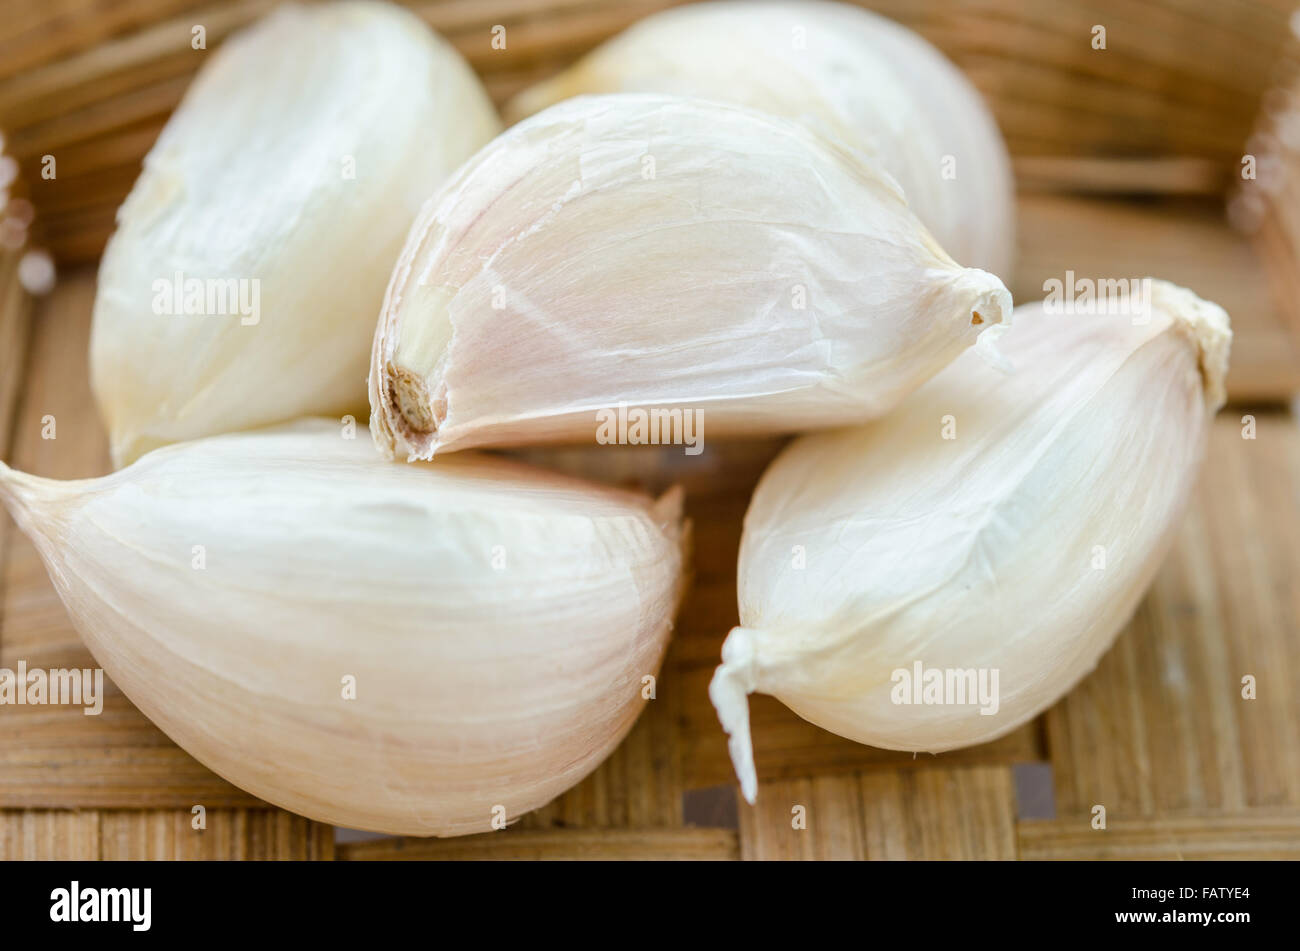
1124	155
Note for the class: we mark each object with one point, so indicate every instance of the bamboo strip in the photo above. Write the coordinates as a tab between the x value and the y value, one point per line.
15	322
1158	176
1276	242
56	757
885	815
30	143
586	844
813	818
1043	128
549	38
1256	835
15	317
57	383
1145	44
120	148
227	834
45	835
1268	206
107	70
941	814
79	194
451	17
79	247
57	29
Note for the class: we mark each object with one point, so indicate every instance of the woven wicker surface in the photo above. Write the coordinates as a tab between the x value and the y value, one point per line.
1159	734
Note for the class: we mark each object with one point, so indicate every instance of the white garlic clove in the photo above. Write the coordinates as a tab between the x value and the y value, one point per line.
495	621
1003	525
651	251
841	70
250	258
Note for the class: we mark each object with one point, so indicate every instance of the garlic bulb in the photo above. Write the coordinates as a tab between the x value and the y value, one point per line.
937	578
250	259
652	251
843	71
426	649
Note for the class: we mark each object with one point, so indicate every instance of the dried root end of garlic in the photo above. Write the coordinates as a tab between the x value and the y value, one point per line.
420	650
241	285
937	578
656	251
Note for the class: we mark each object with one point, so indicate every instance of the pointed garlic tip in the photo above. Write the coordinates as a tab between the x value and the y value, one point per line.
729	691
27	498
18	491
804	292
1207	325
994	308
10	488
994	305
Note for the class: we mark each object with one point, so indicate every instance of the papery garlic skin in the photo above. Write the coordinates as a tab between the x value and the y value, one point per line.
295	165
662	252
1022	545
498	619
843	71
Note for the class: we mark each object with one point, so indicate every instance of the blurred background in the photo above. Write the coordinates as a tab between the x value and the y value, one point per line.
1170	153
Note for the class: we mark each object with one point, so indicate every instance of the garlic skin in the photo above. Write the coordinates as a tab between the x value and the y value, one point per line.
295	164
656	251
843	71
485	676
979	551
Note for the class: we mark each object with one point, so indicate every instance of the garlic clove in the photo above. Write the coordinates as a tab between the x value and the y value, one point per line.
250	258
495	621
842	70
1005	525
652	251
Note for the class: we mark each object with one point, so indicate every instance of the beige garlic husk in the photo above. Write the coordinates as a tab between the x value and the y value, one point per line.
843	71
241	285
496	624
656	252
1004	525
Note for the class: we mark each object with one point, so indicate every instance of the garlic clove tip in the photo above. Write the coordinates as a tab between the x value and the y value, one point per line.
729	691
1207	325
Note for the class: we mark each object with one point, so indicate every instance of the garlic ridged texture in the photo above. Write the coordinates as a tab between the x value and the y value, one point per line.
498	620
1022	544
843	71
657	251
241	285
